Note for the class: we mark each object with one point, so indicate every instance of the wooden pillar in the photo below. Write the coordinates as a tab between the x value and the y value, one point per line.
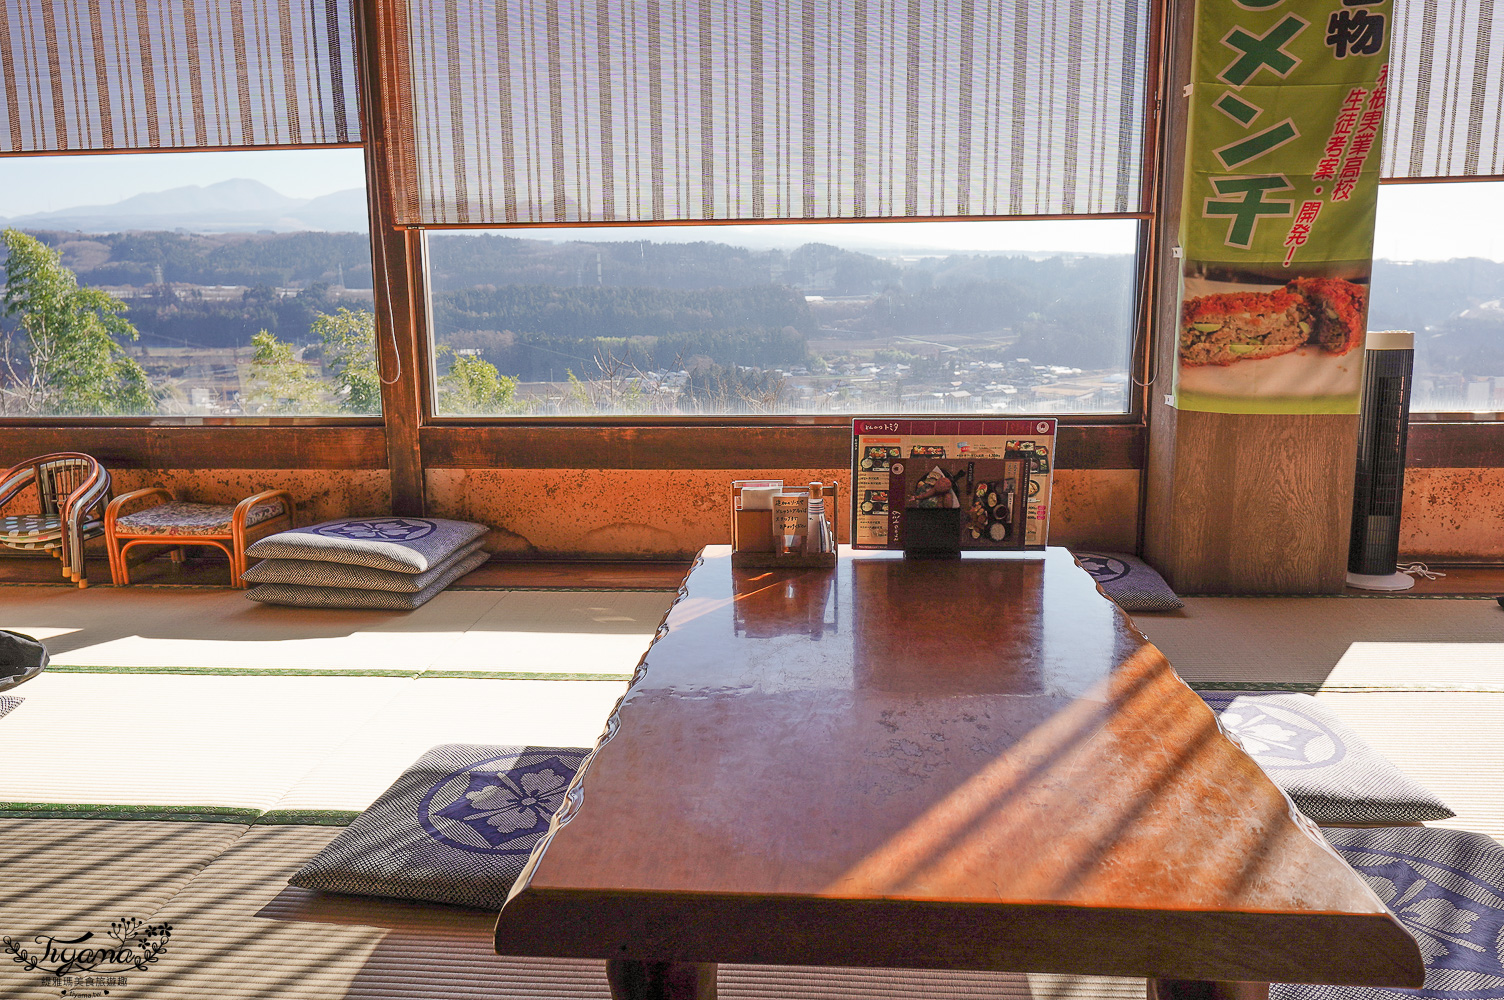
401	337
1234	503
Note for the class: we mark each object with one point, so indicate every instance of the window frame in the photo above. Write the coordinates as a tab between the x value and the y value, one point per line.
416	439
1459	417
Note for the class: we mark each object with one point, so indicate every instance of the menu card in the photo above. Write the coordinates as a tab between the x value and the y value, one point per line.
995	473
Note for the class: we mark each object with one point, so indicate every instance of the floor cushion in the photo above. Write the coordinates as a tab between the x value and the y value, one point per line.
456	827
21	659
399	544
183	517
8	705
316	573
1447	888
1331	774
293	595
1129	581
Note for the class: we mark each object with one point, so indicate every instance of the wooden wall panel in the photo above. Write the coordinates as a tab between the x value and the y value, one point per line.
1477	445
1262	503
180	447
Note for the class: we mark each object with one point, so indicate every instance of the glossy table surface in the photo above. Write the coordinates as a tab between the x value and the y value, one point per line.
940	764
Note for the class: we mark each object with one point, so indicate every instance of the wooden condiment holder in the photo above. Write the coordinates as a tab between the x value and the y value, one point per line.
767	559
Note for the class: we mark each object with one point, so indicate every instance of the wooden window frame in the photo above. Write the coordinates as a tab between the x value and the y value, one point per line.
408	439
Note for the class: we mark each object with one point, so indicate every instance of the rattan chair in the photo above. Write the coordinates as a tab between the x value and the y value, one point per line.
72	490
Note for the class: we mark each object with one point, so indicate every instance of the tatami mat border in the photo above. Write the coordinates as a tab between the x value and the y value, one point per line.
307	817
171	814
178	814
82	668
521	675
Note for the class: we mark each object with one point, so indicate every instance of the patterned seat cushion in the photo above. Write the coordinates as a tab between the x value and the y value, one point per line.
314	573
293	595
182	517
31	531
1129	581
1447	888
399	544
1331	774
456	827
8	704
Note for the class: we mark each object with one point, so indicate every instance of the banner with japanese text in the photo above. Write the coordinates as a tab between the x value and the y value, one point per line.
1282	165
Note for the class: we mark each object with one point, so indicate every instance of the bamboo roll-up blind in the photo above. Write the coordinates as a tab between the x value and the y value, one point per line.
1445	111
176	74
540	111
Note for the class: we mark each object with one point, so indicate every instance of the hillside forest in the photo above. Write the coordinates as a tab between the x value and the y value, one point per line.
904	329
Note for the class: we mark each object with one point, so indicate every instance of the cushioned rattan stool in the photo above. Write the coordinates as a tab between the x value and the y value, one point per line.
227	527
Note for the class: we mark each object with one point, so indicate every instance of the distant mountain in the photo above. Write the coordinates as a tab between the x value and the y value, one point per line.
233	206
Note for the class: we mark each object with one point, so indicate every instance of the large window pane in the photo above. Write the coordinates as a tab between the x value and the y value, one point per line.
958	317
1439	271
187	284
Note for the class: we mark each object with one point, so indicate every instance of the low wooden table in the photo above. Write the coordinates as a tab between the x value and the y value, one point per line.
973	764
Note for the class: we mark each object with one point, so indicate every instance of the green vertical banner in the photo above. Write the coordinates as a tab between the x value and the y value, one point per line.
1282	169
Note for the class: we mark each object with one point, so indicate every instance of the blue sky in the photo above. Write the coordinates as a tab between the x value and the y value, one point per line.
1416	221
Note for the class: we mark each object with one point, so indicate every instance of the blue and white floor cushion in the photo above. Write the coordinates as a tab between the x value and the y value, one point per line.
1331	774
456	827
1447	888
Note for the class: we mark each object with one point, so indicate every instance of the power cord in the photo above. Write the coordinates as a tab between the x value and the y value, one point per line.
1420	569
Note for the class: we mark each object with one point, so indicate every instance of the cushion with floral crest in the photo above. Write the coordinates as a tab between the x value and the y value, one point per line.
1447	888
1331	774
456	827
1129	581
399	544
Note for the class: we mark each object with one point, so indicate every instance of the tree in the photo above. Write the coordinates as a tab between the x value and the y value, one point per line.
474	386
349	341
68	361
278	382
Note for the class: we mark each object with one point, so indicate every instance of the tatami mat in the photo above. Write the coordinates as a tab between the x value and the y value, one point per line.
231	740
432	711
172	740
66	877
1451	742
1341	642
555	633
583	633
238	930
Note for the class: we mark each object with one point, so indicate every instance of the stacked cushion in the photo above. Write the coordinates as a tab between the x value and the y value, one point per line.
456	827
1330	774
390	563
1447	888
1129	581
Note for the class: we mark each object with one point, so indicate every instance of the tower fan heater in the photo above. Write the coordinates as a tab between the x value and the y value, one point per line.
1373	555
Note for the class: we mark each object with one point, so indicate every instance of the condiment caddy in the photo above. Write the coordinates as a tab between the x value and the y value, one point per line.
774	526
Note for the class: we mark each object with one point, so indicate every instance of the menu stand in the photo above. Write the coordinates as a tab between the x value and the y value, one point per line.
932	533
